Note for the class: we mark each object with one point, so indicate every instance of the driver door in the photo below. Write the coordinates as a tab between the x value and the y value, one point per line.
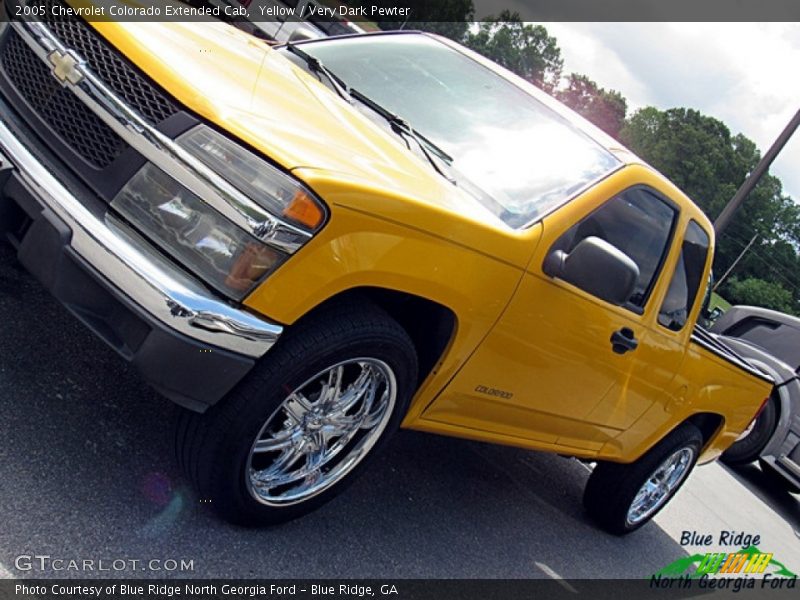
548	371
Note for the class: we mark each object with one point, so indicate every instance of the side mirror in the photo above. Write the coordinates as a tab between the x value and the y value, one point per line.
301	34
596	267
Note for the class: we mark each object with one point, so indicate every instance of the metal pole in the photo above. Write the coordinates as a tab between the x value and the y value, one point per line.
736	262
724	219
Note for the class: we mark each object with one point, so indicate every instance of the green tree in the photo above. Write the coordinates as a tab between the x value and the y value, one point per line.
604	108
701	156
777	261
695	151
758	292
527	50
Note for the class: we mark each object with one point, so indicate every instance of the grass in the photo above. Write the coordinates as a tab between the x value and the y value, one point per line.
718	301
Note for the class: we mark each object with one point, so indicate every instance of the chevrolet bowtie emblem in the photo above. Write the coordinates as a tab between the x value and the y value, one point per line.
65	66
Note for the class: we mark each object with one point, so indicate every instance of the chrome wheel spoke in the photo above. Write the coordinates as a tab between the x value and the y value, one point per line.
278	468
354	393
370	419
660	485
344	425
285	479
332	389
276	442
296	407
309	481
321	431
317	457
676	474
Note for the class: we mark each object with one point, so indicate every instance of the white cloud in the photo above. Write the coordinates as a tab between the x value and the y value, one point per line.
745	74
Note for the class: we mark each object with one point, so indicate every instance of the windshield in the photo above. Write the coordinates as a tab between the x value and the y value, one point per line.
521	154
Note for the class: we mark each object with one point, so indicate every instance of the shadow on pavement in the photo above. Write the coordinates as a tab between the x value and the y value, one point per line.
770	491
87	473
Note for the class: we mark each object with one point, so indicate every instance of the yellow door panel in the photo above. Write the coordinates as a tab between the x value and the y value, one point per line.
551	356
660	358
548	368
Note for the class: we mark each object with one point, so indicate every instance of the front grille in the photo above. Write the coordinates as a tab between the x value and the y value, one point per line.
116	73
59	107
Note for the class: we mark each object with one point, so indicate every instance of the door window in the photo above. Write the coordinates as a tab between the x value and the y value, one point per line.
686	280
639	223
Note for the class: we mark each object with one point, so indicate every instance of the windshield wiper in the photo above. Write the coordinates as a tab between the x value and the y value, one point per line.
318	68
397	123
402	127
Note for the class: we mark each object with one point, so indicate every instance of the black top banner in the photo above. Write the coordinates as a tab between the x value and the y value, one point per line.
643	10
405	13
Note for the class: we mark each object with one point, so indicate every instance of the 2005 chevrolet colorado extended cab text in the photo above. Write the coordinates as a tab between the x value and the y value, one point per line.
308	247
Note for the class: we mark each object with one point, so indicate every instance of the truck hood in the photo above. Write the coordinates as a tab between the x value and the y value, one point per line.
261	98
239	83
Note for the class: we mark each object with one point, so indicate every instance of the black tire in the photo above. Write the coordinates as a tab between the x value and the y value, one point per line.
749	448
777	478
214	448
612	487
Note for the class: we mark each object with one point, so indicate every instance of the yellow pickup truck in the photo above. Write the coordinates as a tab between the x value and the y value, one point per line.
309	246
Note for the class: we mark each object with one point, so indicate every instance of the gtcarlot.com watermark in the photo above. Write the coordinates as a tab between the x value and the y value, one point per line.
43	563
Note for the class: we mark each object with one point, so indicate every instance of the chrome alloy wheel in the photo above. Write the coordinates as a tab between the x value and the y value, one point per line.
321	431
660	485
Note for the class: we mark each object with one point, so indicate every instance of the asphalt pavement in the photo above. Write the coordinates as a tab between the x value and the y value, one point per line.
87	473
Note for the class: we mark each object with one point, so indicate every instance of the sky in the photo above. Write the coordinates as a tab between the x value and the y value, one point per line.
745	74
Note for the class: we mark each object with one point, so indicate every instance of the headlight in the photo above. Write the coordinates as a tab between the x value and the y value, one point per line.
207	243
186	228
257	179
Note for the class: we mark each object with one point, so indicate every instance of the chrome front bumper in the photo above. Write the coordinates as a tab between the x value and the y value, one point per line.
128	263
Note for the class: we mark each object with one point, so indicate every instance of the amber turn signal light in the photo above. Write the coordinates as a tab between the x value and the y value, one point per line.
253	262
304	210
